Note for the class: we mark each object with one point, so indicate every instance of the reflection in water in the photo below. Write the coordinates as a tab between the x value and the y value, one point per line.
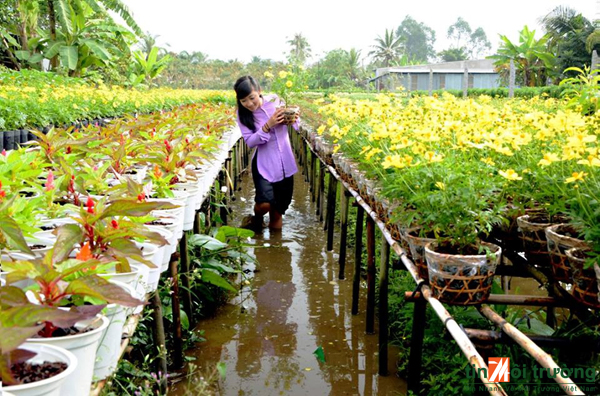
295	304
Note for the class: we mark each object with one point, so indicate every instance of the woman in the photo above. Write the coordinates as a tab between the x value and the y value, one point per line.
262	124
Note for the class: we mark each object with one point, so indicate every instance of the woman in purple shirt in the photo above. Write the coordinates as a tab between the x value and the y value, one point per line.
273	164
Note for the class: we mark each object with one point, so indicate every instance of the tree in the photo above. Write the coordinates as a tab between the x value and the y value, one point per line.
353	66
567	32
453	54
387	48
532	59
300	50
418	39
474	43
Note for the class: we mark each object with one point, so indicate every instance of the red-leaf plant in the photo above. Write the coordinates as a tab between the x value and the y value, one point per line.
105	227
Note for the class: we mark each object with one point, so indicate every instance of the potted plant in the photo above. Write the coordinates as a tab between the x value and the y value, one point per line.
287	84
29	368
59	282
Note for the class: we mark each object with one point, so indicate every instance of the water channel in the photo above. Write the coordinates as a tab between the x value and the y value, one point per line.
294	304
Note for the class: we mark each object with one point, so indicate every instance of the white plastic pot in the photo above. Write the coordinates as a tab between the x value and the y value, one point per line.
14	255
163	255
84	347
191	190
137	279
172	246
176	213
50	386
108	353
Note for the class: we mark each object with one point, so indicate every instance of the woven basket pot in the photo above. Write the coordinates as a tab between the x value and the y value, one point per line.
289	114
416	245
561	238
462	279
585	285
532	232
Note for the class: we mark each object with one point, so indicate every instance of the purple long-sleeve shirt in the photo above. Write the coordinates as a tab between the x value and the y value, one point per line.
275	160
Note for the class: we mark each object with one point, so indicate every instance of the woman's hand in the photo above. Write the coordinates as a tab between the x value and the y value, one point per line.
276	118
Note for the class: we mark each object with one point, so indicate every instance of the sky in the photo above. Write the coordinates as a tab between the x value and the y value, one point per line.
239	30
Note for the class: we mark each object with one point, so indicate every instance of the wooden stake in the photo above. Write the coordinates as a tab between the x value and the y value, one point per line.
331	200
360	220
383	307
158	334
416	346
176	310
344	231
321	192
184	263
370	276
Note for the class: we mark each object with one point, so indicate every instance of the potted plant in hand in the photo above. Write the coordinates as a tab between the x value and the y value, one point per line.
287	84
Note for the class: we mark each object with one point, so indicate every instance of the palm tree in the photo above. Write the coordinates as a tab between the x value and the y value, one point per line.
300	51
531	57
353	64
388	49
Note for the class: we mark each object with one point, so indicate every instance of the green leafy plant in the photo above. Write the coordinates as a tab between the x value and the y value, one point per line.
582	90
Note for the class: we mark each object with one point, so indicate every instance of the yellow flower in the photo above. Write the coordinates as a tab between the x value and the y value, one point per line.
321	129
590	161
576	176
433	157
510	174
548	159
75	106
268	74
488	161
289	84
283	74
440	185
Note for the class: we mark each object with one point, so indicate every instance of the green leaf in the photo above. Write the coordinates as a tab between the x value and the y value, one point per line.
130	207
210	276
67	236
98	49
206	242
69	56
185	321
11	296
13	235
320	354
95	286
222	369
12	337
216	264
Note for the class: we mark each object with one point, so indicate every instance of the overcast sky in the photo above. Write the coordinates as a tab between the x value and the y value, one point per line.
241	29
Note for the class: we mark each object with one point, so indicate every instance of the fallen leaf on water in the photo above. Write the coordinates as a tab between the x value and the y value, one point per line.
333	283
330	343
320	354
307	369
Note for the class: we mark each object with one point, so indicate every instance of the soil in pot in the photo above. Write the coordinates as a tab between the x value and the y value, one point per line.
27	373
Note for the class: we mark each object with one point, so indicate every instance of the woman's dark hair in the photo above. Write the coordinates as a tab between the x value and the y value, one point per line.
244	87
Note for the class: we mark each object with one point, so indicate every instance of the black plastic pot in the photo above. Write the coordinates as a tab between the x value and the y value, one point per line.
9	140
24	135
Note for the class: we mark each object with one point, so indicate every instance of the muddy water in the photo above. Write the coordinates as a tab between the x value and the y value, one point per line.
294	304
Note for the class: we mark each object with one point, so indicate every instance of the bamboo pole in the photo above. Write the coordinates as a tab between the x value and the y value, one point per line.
383	307
344	231
508	299
313	176
495	337
370	276
415	358
360	220
544	359
321	196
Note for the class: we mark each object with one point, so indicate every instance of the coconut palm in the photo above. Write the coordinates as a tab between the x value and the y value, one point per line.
531	57
353	64
300	51
387	49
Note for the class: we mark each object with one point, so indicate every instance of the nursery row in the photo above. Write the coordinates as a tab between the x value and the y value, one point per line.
457	172
90	218
36	99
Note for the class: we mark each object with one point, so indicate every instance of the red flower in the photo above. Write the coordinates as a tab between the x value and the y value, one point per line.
90	205
4	153
141	197
167	146
49	182
69	150
114	224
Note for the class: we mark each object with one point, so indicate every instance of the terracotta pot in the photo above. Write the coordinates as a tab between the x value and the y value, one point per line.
585	285
461	279
560	238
